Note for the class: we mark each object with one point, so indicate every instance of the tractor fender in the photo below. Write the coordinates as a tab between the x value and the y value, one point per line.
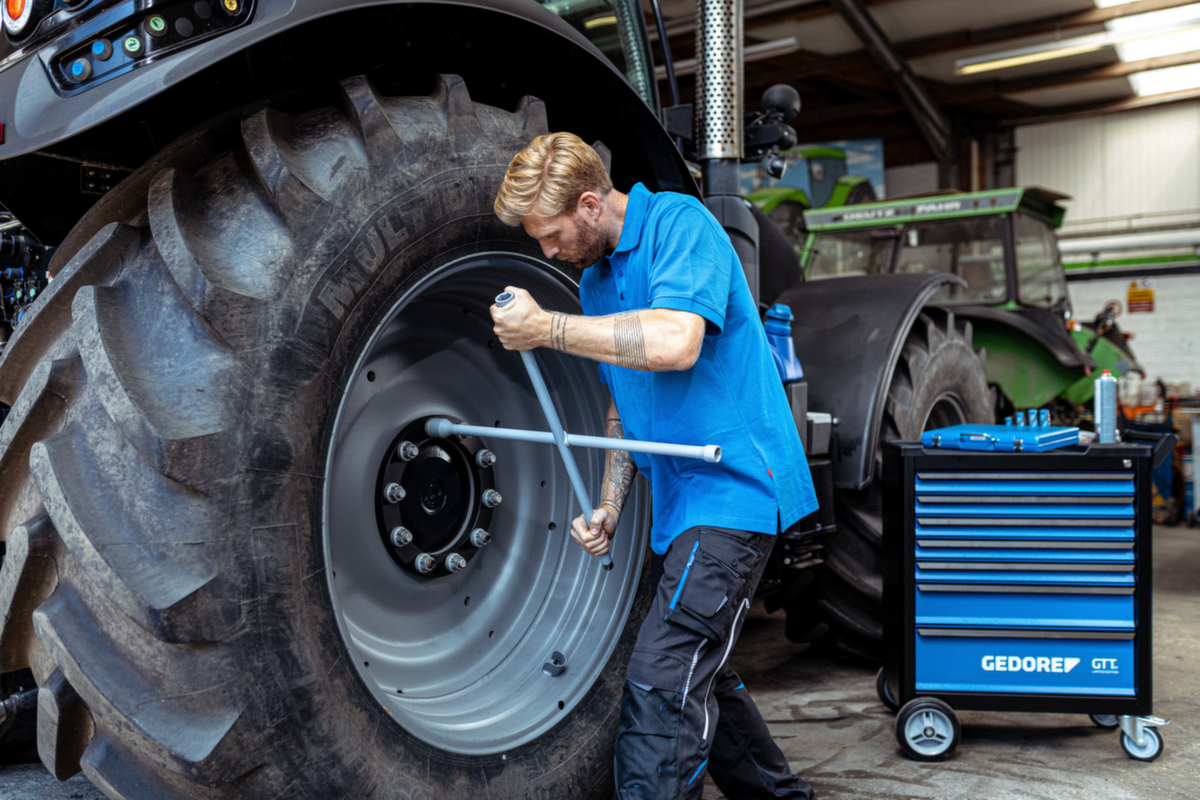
1040	324
849	333
279	57
36	113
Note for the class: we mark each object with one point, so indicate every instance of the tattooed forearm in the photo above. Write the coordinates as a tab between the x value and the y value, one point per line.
629	343
619	471
558	331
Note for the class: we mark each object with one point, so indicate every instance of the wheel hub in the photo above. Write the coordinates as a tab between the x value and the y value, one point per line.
441	504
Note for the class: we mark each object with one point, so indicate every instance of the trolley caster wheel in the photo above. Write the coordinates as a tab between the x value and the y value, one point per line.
1106	721
927	729
1152	745
885	692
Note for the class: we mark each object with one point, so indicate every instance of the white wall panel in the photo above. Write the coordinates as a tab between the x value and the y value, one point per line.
1140	167
1167	340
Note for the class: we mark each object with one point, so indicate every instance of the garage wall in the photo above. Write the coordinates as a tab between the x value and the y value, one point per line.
1124	172
1131	170
1165	340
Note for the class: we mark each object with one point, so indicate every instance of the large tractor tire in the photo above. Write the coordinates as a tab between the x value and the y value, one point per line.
206	570
939	380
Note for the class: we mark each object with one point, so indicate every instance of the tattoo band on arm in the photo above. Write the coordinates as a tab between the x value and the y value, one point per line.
558	331
629	342
619	471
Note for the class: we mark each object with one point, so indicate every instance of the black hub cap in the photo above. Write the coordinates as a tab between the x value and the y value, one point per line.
443	498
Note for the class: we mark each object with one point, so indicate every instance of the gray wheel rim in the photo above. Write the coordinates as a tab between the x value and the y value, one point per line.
929	732
458	660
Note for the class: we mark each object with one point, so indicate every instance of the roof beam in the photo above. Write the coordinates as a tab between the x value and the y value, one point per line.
931	120
1064	113
958	40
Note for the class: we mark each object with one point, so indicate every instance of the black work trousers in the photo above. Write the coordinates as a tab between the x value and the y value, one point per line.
684	711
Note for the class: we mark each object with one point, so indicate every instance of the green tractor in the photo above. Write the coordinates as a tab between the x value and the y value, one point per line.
815	177
1006	297
1001	245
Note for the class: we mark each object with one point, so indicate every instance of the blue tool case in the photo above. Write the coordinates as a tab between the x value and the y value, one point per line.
1001	438
1016	581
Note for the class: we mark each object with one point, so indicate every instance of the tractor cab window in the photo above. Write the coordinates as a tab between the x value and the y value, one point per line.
617	30
837	255
1040	280
972	249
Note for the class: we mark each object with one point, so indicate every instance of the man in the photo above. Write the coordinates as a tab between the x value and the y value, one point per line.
669	316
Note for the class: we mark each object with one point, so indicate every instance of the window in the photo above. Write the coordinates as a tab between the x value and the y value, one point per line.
1040	280
837	255
972	249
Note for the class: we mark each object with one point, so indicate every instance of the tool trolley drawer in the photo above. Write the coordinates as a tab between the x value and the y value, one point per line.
1026	662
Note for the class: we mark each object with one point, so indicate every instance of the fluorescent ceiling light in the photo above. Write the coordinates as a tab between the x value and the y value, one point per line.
1164	45
1137	28
1161	81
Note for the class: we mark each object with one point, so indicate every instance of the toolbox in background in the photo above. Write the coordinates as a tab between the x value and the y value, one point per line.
1017	581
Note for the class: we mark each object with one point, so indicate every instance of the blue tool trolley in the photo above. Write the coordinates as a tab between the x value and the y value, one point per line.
1017	582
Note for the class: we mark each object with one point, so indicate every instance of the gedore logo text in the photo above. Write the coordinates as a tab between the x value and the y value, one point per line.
1028	664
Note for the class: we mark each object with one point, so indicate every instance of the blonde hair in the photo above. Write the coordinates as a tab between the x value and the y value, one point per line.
548	177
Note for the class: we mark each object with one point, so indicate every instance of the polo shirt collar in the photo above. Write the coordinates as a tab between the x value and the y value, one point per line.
635	216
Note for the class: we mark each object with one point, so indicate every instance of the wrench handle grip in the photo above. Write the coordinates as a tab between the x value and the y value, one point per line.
560	439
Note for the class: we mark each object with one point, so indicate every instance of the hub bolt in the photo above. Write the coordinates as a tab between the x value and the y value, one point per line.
407	451
485	458
455	562
393	493
401	536
480	537
425	563
492	498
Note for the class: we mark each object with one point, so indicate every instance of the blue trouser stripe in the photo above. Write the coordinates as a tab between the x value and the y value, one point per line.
683	578
703	764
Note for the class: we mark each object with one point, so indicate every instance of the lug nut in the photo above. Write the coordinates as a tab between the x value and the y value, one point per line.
425	563
485	458
455	562
492	498
480	537
401	536
407	451
393	493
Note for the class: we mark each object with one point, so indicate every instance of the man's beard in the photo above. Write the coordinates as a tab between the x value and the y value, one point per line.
592	244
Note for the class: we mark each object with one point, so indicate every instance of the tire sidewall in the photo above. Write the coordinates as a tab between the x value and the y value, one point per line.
348	743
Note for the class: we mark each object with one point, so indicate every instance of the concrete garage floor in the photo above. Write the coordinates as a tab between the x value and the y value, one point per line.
830	724
835	732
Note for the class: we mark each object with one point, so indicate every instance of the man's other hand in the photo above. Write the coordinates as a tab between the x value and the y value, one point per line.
594	536
522	324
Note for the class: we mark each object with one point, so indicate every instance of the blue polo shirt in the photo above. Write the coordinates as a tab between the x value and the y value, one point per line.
674	254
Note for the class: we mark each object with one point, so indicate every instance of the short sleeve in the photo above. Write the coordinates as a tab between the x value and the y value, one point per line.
692	265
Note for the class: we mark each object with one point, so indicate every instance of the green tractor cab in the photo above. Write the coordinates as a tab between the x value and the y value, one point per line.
1001	247
815	177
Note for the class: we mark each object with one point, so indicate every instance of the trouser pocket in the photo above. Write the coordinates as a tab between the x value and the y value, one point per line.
717	577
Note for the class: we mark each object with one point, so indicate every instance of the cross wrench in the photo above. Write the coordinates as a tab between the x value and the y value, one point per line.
443	427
